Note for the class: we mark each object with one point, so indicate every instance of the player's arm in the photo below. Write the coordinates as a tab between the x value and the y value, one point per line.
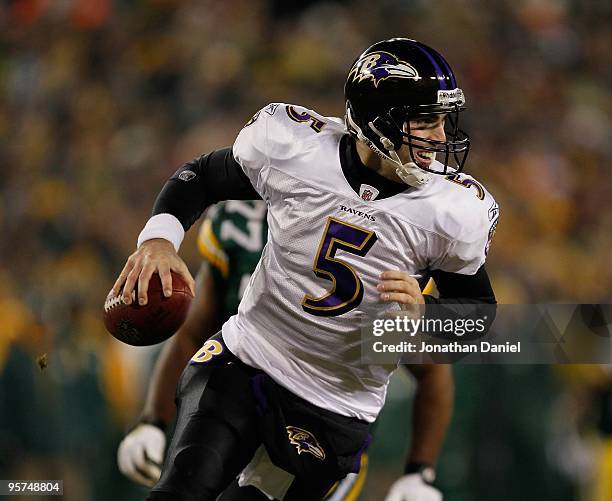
460	289
195	186
456	262
432	410
463	296
140	454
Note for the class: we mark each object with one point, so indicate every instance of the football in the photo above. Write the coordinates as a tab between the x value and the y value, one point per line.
152	323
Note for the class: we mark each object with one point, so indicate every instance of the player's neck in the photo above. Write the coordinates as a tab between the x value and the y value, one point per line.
374	162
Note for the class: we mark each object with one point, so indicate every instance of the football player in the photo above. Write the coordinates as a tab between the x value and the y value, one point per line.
354	215
231	240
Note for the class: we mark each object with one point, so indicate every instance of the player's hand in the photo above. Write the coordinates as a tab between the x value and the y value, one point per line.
400	287
141	453
412	487
156	255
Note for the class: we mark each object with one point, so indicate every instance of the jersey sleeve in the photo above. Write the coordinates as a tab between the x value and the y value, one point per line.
266	136
465	249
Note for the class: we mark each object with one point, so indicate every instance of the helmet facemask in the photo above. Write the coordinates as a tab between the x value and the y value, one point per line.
454	148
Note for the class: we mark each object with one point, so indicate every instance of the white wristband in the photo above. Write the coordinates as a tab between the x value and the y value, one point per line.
164	226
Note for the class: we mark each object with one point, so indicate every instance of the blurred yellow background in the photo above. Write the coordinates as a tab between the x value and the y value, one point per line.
101	100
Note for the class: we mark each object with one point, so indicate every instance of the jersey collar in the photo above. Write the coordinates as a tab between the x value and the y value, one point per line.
358	174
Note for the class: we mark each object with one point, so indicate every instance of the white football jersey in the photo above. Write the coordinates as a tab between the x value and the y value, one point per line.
315	285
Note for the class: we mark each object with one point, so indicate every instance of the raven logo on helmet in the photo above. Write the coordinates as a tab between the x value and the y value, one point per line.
417	82
379	66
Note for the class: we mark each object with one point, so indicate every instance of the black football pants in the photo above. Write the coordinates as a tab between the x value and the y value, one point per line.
217	435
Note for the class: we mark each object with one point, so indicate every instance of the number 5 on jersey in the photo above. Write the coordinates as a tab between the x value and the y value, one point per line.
347	288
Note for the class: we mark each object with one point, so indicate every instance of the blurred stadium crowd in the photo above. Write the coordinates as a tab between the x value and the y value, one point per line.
100	100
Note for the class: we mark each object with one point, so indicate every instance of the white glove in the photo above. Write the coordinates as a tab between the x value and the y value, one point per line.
141	454
412	487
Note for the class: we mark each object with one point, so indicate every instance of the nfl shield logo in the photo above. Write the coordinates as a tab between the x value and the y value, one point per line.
367	192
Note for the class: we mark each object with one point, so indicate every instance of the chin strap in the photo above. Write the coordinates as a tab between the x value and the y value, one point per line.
408	172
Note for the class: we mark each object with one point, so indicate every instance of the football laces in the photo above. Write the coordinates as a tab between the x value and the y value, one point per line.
112	302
